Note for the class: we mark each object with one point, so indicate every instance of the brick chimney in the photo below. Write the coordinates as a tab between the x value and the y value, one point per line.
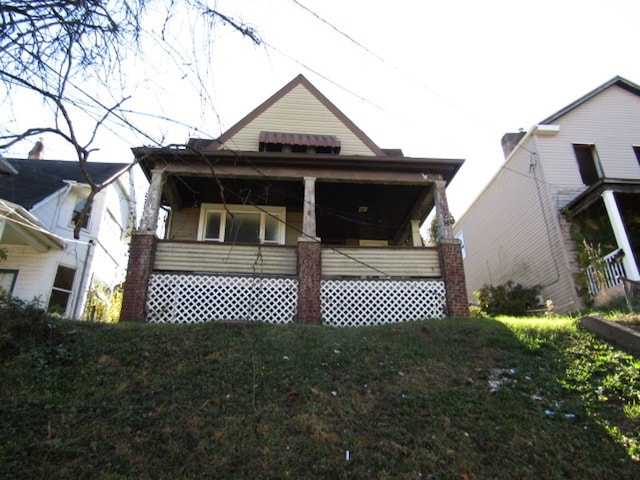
509	142
36	153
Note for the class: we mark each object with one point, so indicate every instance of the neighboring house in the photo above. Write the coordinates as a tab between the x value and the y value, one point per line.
563	211
293	214
39	205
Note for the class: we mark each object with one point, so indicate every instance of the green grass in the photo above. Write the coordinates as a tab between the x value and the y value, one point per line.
441	399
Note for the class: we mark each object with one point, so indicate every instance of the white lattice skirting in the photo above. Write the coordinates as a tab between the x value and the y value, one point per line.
354	303
194	298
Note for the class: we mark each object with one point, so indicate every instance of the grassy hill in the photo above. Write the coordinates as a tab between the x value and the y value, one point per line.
442	399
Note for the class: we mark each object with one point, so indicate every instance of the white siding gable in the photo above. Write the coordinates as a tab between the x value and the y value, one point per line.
611	122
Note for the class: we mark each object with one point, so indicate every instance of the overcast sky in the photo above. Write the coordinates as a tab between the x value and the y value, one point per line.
434	78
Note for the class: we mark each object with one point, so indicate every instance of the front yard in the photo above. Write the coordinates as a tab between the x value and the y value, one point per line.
452	398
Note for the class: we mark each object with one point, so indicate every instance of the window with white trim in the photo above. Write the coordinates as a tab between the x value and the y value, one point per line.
61	290
242	224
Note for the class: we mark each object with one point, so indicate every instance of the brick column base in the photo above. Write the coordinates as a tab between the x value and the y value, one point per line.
452	269
309	271
142	253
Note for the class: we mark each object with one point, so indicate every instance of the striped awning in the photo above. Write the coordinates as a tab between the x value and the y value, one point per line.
300	139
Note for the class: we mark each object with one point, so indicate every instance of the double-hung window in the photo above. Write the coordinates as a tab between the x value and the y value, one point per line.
242	224
61	290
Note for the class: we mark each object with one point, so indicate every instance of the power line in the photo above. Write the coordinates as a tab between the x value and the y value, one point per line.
394	67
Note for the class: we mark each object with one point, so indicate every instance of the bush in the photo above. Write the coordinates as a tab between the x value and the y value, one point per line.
22	323
508	299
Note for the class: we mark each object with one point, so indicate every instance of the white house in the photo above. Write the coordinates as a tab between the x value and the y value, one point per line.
39	205
562	212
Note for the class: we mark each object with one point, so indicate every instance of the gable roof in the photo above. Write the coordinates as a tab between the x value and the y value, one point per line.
299	80
617	80
35	180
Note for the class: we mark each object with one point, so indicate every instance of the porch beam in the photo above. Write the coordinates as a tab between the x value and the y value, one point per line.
619	231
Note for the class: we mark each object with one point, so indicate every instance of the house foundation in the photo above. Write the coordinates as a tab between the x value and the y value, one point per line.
142	254
452	267
309	282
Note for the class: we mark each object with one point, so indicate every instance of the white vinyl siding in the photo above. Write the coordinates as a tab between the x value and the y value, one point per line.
298	112
506	235
35	272
380	262
611	122
221	258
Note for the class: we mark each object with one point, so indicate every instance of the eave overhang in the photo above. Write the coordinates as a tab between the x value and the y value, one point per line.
189	161
22	225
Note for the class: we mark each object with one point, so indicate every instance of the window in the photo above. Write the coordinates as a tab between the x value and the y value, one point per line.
636	150
298	149
588	163
61	290
271	147
8	280
242	224
78	209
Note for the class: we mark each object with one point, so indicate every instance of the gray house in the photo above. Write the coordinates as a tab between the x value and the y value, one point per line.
563	210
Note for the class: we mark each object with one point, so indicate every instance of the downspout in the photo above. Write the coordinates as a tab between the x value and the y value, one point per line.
82	278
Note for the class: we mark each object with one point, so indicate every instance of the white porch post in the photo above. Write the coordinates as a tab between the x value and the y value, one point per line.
309	211
416	238
149	220
617	225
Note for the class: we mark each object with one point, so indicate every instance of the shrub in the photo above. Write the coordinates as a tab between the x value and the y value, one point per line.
22	323
508	299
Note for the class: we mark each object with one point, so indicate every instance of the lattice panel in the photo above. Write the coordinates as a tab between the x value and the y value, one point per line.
193	298
355	303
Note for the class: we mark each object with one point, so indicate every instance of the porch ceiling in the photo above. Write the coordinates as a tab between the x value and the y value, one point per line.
343	209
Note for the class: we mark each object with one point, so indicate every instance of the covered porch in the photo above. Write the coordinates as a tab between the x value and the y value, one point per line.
606	221
278	238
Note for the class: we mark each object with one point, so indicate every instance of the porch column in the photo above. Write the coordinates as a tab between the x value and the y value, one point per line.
617	225
309	209
416	238
309	260
450	253
149	220
443	217
142	253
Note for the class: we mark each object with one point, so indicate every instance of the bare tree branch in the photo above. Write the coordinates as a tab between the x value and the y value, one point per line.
52	47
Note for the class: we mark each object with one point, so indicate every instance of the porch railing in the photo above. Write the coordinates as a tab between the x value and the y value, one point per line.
606	273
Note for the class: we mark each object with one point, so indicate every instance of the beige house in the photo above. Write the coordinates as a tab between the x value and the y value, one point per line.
563	211
293	214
